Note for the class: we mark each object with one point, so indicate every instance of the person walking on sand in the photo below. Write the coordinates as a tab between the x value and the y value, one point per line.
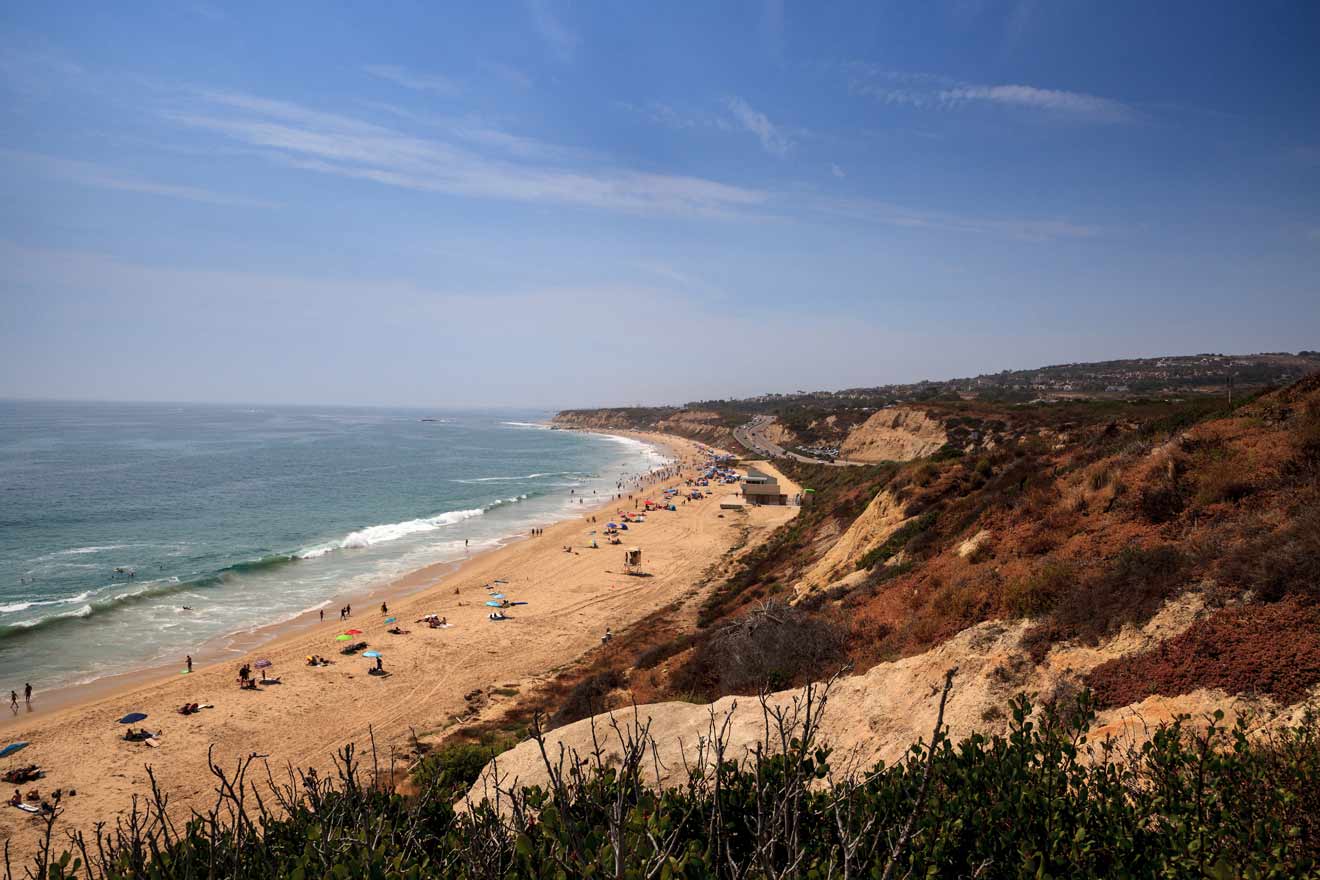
27	693
13	701
323	615
384	609
348	610
188	660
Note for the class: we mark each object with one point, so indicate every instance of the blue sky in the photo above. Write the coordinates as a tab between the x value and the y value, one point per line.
556	203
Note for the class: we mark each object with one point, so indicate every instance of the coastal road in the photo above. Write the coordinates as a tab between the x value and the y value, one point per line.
752	435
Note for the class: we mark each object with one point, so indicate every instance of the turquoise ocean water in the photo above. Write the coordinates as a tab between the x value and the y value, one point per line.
232	518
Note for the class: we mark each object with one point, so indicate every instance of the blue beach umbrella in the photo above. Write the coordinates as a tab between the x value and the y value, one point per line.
391	619
497	595
11	748
132	717
372	654
493	604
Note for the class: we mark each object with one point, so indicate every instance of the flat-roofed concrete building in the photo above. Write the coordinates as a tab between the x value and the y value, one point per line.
760	488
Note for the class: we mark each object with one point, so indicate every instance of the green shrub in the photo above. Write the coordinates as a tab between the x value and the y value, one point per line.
897	541
1038	801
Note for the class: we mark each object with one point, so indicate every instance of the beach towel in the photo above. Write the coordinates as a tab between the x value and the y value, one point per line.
28	808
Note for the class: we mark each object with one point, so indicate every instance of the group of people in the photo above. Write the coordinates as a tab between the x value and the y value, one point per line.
29	801
345	612
27	697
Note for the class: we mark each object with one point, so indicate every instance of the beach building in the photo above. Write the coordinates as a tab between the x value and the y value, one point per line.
760	488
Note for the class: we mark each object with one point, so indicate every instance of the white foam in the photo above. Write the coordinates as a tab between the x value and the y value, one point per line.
84	611
386	532
540	425
35	603
514	479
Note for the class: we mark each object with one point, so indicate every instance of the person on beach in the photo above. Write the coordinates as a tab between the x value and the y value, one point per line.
13	701
384	609
323	615
27	693
188	661
348	610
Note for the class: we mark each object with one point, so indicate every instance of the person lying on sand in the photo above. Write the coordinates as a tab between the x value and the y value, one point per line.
19	775
396	630
498	615
189	708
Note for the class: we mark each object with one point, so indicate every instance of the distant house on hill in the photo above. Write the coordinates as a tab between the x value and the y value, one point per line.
761	488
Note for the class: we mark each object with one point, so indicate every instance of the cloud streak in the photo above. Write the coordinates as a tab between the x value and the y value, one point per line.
889	214
334	144
421	82
561	41
96	175
934	91
775	142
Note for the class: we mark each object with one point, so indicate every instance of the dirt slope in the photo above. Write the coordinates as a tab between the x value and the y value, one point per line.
877	715
897	434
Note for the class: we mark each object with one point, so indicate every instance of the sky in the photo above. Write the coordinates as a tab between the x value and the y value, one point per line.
552	203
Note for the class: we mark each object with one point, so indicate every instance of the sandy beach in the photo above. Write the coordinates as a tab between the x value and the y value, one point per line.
571	598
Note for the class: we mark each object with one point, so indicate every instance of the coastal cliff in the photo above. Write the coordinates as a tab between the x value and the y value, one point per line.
1150	552
702	425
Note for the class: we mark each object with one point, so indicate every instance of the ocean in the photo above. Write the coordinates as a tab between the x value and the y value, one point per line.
133	534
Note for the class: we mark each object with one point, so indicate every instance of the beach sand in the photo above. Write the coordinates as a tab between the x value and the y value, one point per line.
572	598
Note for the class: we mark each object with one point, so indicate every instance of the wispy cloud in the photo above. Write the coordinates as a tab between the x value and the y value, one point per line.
478	130
96	175
932	90
422	82
837	171
561	41
734	115
889	214
772	139
344	146
509	74
1055	100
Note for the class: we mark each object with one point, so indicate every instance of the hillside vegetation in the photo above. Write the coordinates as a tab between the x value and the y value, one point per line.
1086	518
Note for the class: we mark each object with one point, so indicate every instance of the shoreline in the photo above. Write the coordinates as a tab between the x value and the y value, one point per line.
228	648
433	679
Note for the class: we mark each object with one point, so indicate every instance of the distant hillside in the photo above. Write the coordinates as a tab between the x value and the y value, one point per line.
811	421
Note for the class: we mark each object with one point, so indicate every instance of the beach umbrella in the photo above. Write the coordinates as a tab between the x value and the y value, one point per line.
493	604
497	595
342	637
372	654
263	663
391	619
132	717
11	748
353	632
